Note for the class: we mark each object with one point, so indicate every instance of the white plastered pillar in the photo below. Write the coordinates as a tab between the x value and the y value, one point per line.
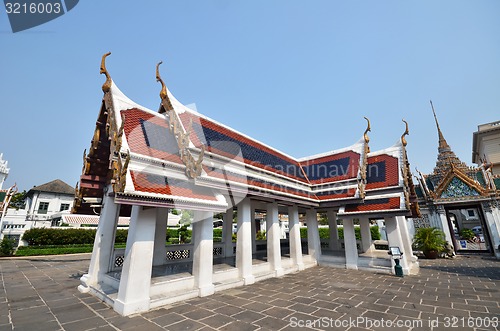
295	243
254	230
135	282
273	235
160	249
203	252
351	249
333	228
313	241
227	233
102	253
410	259
366	235
394	238
443	220
492	219
244	242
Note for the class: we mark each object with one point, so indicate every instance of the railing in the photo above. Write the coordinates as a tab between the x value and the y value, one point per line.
175	253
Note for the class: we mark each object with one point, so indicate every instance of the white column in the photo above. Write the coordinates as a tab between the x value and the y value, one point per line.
394	239
102	253
254	230
313	241
410	259
160	250
334	232
492	220
135	281
295	244
441	214
244	242
227	233
203	246
273	235
351	249
366	235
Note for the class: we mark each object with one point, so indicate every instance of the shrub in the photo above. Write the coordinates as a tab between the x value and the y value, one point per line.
47	236
375	231
7	247
429	239
217	233
261	235
121	236
467	234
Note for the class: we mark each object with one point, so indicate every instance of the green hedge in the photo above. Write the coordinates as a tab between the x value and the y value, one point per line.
48	236
324	233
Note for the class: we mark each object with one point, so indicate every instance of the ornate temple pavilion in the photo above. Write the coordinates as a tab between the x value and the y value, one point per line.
144	162
456	198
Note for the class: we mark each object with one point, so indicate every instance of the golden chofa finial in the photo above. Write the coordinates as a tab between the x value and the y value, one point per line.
107	84
163	92
368	129
167	105
403	139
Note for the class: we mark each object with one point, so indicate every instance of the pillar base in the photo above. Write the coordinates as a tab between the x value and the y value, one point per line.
248	280
301	266
351	266
84	284
130	308
279	272
206	290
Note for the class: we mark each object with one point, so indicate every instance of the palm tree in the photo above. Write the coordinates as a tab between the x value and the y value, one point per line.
431	241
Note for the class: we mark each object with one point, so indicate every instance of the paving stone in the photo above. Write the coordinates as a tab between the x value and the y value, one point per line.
85	324
168	318
217	320
186	325
271	323
229	310
444	288
198	314
239	326
248	316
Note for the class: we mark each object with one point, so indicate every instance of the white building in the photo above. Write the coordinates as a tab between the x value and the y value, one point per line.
486	146
45	205
178	158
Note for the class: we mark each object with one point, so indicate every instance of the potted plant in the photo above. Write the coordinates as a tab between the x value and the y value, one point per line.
431	241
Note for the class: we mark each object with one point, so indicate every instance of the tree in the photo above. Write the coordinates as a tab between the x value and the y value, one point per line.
186	217
323	220
18	200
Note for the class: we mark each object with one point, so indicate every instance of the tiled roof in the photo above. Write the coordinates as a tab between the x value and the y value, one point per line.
179	156
150	183
374	204
332	168
222	141
149	135
90	219
55	186
382	171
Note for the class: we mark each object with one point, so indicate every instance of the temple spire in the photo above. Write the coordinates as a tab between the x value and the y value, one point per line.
442	142
446	158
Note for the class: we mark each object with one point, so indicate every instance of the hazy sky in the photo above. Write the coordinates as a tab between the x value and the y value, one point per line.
297	75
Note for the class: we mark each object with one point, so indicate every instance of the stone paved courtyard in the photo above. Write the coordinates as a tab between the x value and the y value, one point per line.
464	294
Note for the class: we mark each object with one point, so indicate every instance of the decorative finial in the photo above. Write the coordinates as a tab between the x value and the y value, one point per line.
442	141
163	92
403	139
368	129
107	84
167	105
